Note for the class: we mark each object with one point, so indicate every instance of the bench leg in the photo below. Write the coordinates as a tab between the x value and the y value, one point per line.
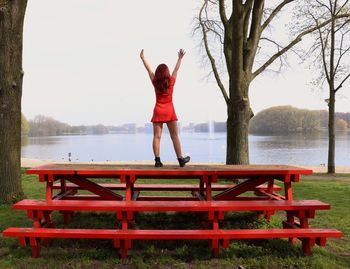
125	245
321	241
215	246
35	244
225	243
23	241
307	244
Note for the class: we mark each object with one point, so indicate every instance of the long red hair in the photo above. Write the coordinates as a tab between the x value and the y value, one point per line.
162	78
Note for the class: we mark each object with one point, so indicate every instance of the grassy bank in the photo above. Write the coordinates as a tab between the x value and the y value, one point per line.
67	253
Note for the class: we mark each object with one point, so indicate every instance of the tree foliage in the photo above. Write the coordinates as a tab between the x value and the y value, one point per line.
284	120
47	126
341	125
24	126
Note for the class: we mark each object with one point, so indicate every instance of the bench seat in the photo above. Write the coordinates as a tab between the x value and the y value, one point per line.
309	236
91	205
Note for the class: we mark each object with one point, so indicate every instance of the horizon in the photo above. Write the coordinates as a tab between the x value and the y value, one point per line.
184	123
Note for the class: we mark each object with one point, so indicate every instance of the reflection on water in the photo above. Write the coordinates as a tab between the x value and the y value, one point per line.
308	149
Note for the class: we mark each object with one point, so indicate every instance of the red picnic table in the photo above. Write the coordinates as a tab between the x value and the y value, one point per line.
254	175
254	179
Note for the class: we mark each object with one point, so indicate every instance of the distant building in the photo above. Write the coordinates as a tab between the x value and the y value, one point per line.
130	127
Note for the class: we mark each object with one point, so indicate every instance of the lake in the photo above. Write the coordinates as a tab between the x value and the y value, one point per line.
202	147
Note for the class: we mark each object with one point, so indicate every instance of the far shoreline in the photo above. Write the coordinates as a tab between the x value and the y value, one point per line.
28	163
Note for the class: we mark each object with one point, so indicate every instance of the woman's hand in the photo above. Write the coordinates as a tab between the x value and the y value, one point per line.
142	56
181	53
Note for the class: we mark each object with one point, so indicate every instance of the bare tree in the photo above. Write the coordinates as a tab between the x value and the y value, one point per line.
330	53
11	75
240	28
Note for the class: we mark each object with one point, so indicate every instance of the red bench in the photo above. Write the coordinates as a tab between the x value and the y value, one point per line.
293	205
40	211
123	237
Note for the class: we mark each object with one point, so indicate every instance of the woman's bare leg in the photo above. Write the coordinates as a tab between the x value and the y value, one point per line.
157	134
174	134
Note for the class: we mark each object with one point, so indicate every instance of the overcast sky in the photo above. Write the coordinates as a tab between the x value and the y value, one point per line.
82	65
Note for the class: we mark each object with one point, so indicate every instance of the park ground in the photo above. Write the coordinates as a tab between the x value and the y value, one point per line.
276	253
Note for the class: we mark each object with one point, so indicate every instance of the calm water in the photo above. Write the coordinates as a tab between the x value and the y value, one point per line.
203	147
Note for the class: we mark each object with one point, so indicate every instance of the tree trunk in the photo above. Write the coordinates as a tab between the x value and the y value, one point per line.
11	76
238	116
331	104
331	132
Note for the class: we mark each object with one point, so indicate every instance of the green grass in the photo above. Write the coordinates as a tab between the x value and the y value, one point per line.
99	254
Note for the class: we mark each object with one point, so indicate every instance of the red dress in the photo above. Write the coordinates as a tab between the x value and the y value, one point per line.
164	110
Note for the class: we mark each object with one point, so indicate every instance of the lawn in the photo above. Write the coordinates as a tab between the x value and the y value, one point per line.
276	253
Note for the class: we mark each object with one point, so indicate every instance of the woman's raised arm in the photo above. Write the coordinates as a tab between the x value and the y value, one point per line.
145	63
180	54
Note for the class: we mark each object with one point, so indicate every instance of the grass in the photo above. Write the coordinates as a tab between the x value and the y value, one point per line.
276	253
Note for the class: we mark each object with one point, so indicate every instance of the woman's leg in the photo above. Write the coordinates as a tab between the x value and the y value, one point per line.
157	134
174	134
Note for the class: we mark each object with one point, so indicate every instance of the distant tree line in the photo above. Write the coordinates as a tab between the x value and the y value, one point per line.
275	120
288	119
47	126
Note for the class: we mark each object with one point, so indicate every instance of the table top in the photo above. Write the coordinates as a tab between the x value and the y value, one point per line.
142	169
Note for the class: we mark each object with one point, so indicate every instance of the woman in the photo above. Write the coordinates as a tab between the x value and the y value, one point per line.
164	111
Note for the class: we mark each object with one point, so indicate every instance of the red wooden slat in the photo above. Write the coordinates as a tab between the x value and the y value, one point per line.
167	187
167	198
171	205
189	170
170	234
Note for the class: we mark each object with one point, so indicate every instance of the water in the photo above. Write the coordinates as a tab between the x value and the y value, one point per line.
202	147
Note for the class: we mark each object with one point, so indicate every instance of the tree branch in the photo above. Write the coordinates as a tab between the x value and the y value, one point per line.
341	8
294	42
255	32
248	8
341	84
323	54
275	12
211	58
223	13
341	52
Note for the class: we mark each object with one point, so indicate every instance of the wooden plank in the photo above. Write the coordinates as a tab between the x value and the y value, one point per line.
260	205
167	198
166	187
171	234
189	170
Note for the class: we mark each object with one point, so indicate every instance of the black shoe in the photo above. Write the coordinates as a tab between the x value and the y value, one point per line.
183	160
158	163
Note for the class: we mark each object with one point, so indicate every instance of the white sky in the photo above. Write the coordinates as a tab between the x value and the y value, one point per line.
82	65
